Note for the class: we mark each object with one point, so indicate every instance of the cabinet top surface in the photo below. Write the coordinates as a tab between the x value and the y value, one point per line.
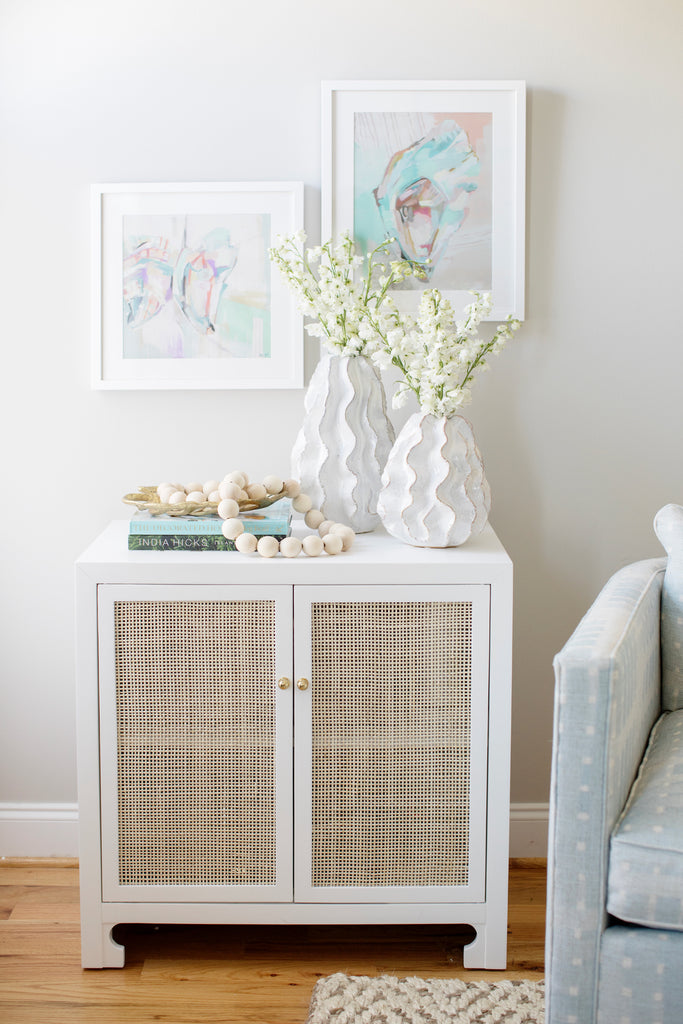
374	558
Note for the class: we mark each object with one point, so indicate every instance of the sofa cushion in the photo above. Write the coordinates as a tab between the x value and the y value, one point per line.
645	880
669	529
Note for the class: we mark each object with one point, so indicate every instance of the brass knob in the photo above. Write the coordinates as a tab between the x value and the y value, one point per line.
302	684
284	683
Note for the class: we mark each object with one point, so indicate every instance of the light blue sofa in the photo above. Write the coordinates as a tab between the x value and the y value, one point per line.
614	945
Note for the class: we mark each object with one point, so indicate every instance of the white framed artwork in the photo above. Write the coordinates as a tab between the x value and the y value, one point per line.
184	293
439	167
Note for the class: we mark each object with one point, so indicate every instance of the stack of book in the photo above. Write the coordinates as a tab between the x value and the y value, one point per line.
203	533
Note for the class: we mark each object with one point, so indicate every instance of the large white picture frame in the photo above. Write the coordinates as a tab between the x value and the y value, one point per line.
184	293
440	167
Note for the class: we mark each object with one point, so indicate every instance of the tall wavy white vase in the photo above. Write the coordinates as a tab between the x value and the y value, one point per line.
344	441
434	492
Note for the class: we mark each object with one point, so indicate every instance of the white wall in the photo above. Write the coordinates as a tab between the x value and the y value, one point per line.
580	419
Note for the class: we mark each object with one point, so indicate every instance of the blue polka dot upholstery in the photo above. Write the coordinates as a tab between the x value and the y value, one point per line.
669	529
607	698
641	976
645	882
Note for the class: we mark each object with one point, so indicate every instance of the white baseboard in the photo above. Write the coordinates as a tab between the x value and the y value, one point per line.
529	830
51	830
38	830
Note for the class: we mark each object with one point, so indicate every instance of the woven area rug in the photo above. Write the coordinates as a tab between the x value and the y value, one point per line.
342	999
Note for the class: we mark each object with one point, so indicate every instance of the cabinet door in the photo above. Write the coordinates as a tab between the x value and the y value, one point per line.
391	743
196	743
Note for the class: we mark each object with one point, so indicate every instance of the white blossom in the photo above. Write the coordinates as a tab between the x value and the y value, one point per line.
437	355
344	301
354	313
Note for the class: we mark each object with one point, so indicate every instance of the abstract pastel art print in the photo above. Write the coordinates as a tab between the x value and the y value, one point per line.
439	168
184	293
425	179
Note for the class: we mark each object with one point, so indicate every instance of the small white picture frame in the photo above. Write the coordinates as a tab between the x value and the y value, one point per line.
184	293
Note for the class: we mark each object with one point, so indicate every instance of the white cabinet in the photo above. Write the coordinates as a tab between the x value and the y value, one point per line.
308	740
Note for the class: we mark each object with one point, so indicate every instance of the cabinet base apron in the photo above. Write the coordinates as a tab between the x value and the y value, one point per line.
487	951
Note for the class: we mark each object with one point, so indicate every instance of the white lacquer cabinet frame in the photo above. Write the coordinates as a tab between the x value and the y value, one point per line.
294	740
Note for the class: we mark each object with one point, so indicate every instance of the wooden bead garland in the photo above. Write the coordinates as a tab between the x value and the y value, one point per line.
330	537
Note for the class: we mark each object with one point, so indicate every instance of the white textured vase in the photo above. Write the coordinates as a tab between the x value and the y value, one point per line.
434	492
344	441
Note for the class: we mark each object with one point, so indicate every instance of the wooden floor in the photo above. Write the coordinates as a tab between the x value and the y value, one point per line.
232	974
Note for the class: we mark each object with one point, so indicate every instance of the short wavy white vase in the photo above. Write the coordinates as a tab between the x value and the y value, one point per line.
343	444
434	492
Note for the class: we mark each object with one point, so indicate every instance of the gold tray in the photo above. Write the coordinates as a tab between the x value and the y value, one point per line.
147	500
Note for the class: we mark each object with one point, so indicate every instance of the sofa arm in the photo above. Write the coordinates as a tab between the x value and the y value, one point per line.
607	697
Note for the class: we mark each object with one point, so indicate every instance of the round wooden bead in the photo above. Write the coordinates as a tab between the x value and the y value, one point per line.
290	546
325	526
312	545
232	528
302	503
256	491
314	518
292	488
228	508
333	543
165	491
236	478
229	490
214	497
346	533
210	485
189	488
267	546
198	497
177	497
273	484
246	543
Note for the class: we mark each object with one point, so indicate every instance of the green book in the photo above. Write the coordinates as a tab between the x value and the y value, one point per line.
183	542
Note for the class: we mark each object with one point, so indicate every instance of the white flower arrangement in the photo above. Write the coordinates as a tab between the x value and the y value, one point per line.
330	287
437	355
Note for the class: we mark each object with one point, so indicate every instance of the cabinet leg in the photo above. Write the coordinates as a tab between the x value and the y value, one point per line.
487	951
98	948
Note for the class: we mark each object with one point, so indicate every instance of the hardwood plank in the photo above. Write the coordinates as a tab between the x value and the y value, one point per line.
162	1013
9	894
26	902
40	862
166	998
44	894
54	937
37	873
58	913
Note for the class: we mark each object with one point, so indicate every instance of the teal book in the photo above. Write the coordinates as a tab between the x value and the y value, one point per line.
183	542
274	521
